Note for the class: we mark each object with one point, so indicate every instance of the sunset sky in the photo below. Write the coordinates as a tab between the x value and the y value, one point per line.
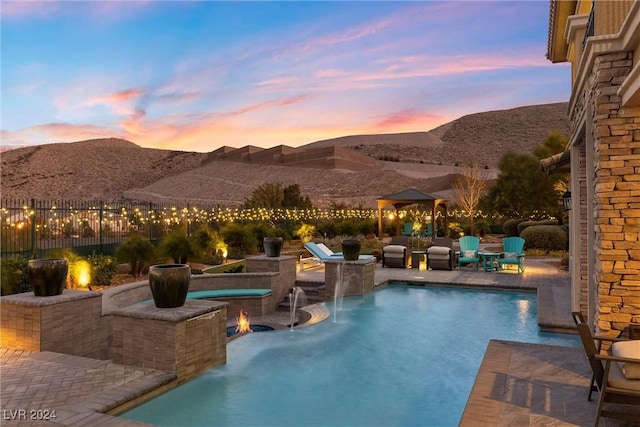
197	75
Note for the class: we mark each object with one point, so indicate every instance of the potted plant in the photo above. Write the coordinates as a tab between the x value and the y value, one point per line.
48	276
351	249
272	246
169	284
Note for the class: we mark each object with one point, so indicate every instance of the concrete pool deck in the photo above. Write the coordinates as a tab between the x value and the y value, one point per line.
517	384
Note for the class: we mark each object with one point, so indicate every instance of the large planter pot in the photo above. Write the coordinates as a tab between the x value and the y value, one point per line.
272	246
351	249
169	284
48	276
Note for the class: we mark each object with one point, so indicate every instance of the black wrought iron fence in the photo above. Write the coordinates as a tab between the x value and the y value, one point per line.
35	228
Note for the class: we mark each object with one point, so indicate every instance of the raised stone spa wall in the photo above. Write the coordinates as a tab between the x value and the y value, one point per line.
357	277
186	340
284	266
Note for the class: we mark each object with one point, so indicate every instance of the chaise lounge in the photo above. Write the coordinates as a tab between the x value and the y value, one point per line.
321	253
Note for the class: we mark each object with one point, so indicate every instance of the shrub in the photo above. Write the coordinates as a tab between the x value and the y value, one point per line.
240	239
306	232
14	278
104	267
177	246
235	269
497	229
524	224
545	237
511	227
138	252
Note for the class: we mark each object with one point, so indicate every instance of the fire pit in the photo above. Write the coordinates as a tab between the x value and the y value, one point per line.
231	330
244	326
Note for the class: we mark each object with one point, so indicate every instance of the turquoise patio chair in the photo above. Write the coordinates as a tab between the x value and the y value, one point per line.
469	248
407	229
513	253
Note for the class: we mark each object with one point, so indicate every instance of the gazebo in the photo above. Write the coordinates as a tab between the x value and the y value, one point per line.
412	197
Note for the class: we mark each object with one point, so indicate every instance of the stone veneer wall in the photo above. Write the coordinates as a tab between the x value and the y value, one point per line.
583	259
186	340
617	195
356	277
70	323
284	265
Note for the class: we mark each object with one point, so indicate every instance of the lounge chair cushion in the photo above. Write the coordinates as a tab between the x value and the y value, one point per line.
629	349
394	249
439	250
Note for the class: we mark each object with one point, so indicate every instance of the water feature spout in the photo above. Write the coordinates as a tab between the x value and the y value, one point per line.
297	299
338	292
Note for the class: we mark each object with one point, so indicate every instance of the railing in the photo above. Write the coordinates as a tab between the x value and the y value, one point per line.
589	31
36	229
32	228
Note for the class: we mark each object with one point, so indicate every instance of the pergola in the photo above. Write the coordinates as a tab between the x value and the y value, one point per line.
412	197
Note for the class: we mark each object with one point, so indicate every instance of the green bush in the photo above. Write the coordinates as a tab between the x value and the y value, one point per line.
240	239
545	237
138	252
103	268
525	224
177	246
511	227
497	229
14	278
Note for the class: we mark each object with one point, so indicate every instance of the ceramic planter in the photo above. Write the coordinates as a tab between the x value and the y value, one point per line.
169	284
48	276
272	246
351	249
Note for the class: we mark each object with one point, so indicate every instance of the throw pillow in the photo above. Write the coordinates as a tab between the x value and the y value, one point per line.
469	254
510	255
631	350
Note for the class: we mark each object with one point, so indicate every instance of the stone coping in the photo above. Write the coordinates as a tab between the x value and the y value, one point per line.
355	262
190	309
29	299
133	293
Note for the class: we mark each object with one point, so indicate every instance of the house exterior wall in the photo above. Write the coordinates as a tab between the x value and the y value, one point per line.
605	116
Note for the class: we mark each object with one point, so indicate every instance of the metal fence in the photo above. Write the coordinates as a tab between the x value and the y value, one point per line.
34	228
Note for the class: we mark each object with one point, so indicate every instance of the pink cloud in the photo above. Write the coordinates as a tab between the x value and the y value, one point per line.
405	119
16	9
55	132
117	97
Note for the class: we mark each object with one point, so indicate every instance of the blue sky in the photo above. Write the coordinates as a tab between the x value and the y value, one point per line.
197	75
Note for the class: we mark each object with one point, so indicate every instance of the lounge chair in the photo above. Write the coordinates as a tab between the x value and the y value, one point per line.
322	253
618	381
440	255
513	253
468	253
395	256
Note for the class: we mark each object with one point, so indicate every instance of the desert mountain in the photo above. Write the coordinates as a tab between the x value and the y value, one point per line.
114	169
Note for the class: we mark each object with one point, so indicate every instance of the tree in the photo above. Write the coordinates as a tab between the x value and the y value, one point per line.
522	189
292	198
273	196
268	196
468	189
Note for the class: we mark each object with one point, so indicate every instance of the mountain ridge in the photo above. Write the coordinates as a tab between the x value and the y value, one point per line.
112	169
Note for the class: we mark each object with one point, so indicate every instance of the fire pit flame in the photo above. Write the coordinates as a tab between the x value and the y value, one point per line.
244	325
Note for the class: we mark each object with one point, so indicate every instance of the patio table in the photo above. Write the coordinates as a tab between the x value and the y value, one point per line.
489	260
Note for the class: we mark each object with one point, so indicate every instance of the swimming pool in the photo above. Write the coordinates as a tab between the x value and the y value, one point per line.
400	356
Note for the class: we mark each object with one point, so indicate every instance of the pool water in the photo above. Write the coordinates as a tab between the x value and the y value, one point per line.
400	356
